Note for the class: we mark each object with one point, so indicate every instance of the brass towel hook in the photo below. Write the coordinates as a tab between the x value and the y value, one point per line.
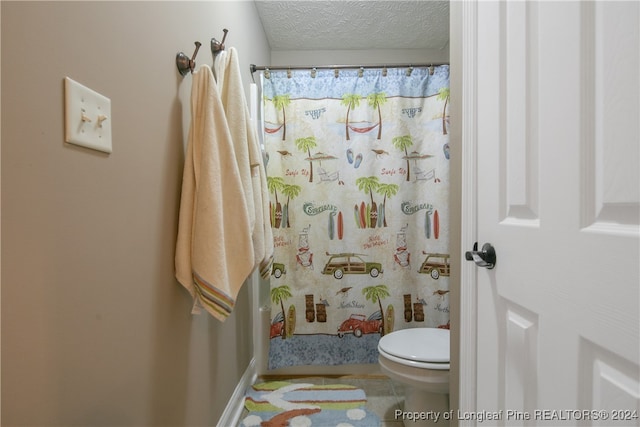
185	64
217	46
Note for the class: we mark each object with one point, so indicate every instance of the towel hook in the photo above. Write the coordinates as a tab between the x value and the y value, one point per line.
185	64
217	46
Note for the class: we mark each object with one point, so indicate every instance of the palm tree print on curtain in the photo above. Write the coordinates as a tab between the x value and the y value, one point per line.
375	100
360	218
403	143
280	102
351	100
444	95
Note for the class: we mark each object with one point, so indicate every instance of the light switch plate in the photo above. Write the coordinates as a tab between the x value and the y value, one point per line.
87	117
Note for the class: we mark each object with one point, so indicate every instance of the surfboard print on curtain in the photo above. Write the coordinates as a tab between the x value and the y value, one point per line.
358	174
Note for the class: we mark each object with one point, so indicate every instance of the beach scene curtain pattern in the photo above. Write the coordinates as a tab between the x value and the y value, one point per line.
357	167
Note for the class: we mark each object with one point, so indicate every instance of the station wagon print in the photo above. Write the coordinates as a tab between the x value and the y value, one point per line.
436	265
278	269
350	263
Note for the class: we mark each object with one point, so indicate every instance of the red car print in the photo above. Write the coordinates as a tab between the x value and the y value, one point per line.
277	326
357	325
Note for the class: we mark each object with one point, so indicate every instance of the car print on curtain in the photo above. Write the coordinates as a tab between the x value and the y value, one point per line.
358	174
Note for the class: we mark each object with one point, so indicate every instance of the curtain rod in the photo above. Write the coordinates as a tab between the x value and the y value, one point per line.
255	68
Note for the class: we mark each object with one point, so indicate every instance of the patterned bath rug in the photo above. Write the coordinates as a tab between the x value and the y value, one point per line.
282	404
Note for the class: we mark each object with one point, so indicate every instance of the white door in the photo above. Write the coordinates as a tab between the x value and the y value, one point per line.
558	196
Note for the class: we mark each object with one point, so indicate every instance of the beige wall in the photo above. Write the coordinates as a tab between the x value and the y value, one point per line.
95	330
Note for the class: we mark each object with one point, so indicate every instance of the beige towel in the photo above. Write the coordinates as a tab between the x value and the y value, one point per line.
248	154
214	249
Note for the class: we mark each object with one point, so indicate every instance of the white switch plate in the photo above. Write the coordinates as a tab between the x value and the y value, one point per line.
87	117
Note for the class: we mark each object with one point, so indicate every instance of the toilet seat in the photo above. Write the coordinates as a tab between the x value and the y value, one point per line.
425	348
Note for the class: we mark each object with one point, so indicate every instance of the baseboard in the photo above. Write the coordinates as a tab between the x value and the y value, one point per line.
235	405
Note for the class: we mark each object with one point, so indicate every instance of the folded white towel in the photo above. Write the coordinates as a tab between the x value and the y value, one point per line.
214	249
248	154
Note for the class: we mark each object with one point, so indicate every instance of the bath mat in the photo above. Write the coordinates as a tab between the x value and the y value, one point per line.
281	403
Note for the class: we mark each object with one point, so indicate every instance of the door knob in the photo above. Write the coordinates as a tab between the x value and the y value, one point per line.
483	258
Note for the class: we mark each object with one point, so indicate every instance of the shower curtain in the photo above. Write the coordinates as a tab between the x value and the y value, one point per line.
358	174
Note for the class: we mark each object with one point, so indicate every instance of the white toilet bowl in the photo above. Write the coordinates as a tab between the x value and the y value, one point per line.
419	359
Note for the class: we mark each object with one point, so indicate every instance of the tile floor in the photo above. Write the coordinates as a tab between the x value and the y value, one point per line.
384	395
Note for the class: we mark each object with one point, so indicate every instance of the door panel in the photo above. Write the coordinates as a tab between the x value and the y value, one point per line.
518	115
558	196
610	173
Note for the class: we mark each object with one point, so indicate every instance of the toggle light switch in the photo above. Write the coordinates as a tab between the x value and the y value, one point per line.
87	117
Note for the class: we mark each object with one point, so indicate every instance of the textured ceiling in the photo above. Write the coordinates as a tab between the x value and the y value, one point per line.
357	24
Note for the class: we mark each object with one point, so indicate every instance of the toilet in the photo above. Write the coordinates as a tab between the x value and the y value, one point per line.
418	358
